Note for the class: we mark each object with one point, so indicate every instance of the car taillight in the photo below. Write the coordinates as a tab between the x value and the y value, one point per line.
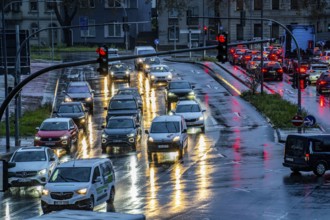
306	157
252	63
264	70
280	70
247	57
323	82
235	55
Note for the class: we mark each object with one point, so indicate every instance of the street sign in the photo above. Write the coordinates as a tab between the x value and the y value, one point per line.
309	120
297	120
156	41
83	23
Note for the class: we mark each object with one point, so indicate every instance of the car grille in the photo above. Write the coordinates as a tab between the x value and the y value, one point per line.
117	137
61	195
79	99
26	174
161	77
192	120
50	139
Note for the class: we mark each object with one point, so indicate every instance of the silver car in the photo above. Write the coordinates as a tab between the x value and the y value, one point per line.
159	74
314	71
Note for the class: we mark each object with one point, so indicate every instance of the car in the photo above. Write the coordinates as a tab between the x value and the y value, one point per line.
325	57
314	71
79	184
247	56
142	50
74	110
120	72
123	105
149	61
192	113
80	92
57	133
132	91
167	133
235	57
322	84
307	152
252	64
113	53
32	166
177	90
159	74
271	70
121	133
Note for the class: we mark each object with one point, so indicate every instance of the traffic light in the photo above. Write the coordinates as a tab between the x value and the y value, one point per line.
102	60
303	81
205	30
222	47
294	81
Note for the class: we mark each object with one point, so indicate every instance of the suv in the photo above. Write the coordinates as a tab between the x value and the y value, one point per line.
168	133
307	152
142	50
132	91
121	132
74	110
57	132
79	184
80	92
177	90
33	166
123	105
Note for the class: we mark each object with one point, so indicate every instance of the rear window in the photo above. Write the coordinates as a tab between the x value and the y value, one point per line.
296	146
321	146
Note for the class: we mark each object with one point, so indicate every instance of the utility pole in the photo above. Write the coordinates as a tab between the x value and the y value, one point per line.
262	48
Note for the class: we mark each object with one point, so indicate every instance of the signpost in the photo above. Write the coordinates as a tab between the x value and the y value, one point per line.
309	120
297	120
156	42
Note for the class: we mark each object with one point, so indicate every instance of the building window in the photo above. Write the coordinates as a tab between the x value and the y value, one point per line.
115	30
257	4
294	4
114	3
49	5
239	5
173	21
275	28
275	4
239	32
173	13
34	29
34	5
132	4
257	30
92	3
173	34
90	32
192	11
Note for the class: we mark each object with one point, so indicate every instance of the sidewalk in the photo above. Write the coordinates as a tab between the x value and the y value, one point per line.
37	92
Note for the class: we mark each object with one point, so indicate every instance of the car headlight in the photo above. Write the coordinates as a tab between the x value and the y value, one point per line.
64	137
131	135
112	73
147	66
176	138
140	60
201	118
37	138
82	191
191	93
171	94
169	76
104	135
42	172
127	73
68	99
152	76
45	192
88	99
150	139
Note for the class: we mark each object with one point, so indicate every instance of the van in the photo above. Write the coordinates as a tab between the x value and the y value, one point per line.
142	50
79	184
307	152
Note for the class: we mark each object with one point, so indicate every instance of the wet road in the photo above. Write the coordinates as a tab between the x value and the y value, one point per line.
234	170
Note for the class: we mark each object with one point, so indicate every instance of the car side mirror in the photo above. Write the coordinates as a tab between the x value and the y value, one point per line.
203	110
11	164
92	91
102	126
184	130
37	128
137	125
52	159
97	179
146	131
192	87
71	128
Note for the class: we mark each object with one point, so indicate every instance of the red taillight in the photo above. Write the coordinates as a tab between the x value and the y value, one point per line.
232	50
235	55
323	82
264	70
252	63
247	57
307	157
280	70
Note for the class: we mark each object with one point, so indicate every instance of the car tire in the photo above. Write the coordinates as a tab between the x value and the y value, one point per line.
320	169
111	198
91	203
203	129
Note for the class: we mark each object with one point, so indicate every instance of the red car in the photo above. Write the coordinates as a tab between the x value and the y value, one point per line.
57	133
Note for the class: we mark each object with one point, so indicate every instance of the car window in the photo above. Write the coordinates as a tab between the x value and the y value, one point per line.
96	173
165	127
29	156
159	69
54	126
141	52
179	85
122	104
71	123
78	89
118	68
106	169
71	174
187	108
120	123
51	153
296	146
273	65
69	109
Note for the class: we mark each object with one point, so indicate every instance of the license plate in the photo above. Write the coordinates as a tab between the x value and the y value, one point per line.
23	180
50	143
61	202
116	141
289	159
162	146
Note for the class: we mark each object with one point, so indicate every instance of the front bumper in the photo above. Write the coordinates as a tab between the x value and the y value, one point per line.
27	181
164	146
53	144
75	202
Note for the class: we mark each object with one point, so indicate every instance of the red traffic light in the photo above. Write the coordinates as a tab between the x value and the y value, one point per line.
221	38
101	51
205	28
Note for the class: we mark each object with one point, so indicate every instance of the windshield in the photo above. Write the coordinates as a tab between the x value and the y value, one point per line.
29	156
118	68
187	108
69	109
152	60
140	52
127	92
159	69
165	127
71	174
179	85
120	123
123	104
78	89
319	67
54	126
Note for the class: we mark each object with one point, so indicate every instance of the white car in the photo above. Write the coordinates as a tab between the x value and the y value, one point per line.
192	113
142	50
33	166
314	71
79	184
159	74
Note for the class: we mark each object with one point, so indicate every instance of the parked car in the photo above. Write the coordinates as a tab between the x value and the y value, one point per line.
159	74
122	133
178	90
307	152
120	72
192	113
74	110
271	70
142	50
33	166
323	83
57	133
168	133
79	184
132	91
314	71
80	92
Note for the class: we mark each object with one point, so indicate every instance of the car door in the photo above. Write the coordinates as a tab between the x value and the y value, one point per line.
73	132
99	186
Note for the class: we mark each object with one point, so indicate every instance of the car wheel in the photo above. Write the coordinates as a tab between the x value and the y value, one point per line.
111	196
320	169
294	170
91	203
203	129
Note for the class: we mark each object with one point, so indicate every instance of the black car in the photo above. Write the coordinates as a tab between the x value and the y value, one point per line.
74	110
132	91
323	83
271	70
177	90
122	133
123	105
120	72
80	92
